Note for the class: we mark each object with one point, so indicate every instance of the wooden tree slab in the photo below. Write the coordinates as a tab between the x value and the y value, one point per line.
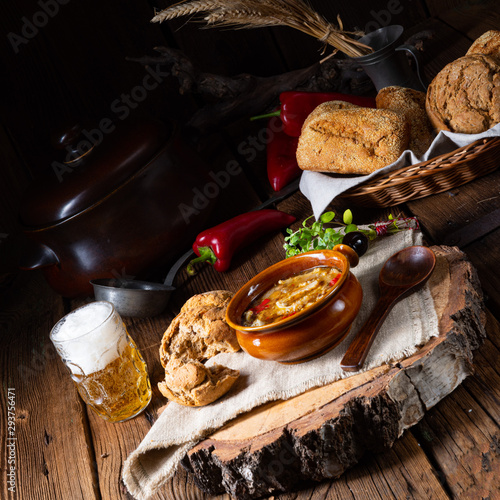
323	432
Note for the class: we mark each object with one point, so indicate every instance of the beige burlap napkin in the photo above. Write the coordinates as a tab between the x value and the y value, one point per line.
409	325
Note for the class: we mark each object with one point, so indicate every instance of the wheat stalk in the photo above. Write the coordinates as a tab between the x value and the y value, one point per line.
245	14
185	8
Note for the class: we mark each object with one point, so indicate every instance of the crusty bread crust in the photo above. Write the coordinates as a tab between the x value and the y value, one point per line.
196	334
488	43
194	384
465	95
352	140
200	330
411	104
214	298
323	110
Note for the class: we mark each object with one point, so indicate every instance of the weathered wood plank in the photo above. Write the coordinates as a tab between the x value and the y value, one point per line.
112	442
182	487
462	433
410	471
484	386
472	18
464	441
437	7
54	457
484	254
445	214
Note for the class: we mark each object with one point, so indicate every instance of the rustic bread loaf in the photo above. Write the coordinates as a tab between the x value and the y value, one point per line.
352	140
323	110
465	95
196	334
207	300
488	43
411	104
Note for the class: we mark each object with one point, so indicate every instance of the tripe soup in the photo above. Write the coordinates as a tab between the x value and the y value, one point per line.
291	295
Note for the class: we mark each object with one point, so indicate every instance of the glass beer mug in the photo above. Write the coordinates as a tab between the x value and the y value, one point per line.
105	364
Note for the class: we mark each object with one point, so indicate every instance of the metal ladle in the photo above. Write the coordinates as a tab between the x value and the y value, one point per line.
139	299
403	273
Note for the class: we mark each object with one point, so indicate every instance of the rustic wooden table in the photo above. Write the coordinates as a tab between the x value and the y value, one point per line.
64	451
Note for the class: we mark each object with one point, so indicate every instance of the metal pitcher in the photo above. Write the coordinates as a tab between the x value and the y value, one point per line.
388	65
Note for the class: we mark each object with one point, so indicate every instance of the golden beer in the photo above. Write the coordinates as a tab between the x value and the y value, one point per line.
105	364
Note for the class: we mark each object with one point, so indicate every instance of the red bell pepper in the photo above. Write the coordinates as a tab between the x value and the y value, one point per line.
218	244
296	107
282	167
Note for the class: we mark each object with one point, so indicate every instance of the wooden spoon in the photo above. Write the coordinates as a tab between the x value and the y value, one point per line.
403	273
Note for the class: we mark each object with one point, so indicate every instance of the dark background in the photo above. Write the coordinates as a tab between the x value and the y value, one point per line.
74	66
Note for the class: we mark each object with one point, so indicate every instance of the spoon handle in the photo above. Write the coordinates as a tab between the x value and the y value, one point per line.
358	349
169	280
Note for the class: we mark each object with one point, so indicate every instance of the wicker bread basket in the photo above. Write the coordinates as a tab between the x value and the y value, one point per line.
433	176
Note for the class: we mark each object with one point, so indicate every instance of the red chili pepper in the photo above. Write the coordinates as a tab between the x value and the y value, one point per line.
334	280
296	107
218	244
263	305
282	167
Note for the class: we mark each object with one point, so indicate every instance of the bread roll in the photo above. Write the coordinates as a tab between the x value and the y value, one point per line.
488	44
193	384
465	95
196	334
352	140
411	104
323	110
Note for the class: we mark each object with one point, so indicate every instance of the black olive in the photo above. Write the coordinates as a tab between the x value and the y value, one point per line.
357	241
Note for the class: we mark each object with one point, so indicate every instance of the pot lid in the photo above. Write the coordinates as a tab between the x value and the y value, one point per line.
88	165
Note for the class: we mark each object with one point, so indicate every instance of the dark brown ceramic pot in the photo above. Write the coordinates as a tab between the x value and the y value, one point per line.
125	207
310	332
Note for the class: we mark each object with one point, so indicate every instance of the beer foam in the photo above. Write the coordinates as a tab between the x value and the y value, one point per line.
89	338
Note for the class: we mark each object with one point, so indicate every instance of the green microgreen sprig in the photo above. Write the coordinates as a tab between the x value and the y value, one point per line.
319	236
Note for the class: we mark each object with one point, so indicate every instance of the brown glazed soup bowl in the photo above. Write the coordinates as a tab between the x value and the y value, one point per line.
311	332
